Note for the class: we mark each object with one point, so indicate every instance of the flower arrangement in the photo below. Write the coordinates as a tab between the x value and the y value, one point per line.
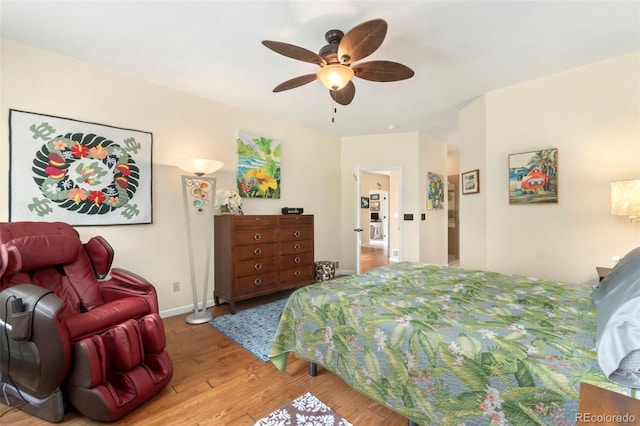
228	201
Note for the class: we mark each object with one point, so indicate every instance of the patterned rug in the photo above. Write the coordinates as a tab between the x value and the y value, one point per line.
305	410
252	328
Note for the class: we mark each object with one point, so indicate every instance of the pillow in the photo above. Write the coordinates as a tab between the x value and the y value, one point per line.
625	270
629	370
618	321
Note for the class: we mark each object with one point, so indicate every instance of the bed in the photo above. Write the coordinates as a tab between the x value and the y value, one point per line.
444	345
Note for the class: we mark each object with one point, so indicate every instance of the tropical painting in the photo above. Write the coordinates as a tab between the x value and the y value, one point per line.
533	177
435	191
258	174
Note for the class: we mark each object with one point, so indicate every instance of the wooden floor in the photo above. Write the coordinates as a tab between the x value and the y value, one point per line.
370	257
217	382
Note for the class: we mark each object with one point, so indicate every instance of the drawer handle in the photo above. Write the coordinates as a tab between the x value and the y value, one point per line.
257	237
258	266
297	273
257	251
296	247
257	281
297	259
296	234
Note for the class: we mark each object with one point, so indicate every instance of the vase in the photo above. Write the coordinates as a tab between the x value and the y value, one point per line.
224	209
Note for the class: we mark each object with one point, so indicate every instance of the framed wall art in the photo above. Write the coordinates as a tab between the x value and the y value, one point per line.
533	177
258	174
471	182
78	172
364	202
435	191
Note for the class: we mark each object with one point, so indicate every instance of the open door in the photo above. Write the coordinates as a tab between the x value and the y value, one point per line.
382	218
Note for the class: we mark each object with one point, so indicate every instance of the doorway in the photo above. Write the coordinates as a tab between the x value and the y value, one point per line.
379	236
453	226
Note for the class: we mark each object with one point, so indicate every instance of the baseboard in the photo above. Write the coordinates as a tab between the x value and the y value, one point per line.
183	309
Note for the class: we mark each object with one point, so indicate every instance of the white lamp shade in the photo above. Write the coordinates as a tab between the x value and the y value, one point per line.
625	197
199	166
335	76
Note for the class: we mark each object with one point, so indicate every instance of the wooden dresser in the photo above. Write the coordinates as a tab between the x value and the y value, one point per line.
261	254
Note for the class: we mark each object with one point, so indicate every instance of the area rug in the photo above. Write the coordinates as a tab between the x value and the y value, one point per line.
252	328
305	410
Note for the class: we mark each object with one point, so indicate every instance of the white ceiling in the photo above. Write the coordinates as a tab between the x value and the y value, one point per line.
458	50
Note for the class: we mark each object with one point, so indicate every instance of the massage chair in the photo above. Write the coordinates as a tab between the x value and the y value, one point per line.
75	333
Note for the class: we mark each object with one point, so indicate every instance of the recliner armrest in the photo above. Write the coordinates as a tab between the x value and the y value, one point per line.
105	317
124	283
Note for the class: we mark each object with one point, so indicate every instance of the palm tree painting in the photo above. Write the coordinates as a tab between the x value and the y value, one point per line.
258	173
533	177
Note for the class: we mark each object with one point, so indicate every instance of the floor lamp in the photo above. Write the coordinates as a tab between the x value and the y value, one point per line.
198	192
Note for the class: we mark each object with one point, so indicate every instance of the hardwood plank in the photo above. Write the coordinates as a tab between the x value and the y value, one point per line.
370	257
217	382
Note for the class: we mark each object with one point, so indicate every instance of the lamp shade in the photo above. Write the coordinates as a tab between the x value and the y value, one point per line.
199	166
625	198
335	76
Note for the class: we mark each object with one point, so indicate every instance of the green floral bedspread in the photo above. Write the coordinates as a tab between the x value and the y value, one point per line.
443	345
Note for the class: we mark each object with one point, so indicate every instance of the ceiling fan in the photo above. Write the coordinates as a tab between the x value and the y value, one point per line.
336	60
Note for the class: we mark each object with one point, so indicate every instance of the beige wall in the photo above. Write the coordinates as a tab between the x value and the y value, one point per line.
592	115
473	207
183	126
433	230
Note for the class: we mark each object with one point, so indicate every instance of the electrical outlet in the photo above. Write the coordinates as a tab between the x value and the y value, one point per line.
176	286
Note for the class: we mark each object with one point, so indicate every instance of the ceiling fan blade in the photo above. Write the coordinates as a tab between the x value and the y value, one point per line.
362	40
345	95
295	82
382	71
295	52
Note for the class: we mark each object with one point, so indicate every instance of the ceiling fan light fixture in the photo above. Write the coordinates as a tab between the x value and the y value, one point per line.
335	76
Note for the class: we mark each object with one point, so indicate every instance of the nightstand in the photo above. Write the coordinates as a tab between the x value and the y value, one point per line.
605	407
602	272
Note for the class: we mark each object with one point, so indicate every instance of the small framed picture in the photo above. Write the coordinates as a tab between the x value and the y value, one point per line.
533	177
364	202
471	182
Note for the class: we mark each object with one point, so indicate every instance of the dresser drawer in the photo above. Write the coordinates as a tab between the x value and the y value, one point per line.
295	220
294	247
295	233
255	251
301	274
255	266
253	222
256	284
256	236
295	260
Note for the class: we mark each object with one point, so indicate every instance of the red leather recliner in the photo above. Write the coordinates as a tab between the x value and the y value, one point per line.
70	334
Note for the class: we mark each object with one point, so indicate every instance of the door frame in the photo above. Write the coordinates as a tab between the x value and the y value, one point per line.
393	191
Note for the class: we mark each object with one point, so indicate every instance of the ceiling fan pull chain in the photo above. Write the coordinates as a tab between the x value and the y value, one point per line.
333	113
